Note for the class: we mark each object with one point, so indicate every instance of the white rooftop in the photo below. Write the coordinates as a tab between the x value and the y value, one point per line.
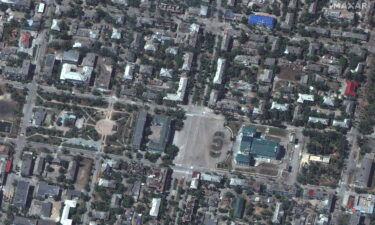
73	73
280	107
115	34
155	207
305	97
65	214
180	94
218	79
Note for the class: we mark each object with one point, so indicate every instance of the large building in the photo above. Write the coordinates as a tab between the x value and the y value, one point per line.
154	211
138	131
253	147
267	149
218	79
181	91
161	132
74	74
238	207
20	197
365	171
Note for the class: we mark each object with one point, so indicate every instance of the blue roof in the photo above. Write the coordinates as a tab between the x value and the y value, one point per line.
261	20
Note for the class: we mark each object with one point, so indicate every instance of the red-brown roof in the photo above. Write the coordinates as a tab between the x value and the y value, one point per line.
25	38
195	174
8	165
350	87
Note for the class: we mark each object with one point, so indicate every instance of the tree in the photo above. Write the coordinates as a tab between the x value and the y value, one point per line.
128	201
366	126
172	151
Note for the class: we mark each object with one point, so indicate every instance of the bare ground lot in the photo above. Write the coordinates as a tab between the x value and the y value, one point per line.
196	139
83	173
288	73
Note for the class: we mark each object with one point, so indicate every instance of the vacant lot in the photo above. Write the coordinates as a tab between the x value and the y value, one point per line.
265	169
7	108
83	173
199	142
288	73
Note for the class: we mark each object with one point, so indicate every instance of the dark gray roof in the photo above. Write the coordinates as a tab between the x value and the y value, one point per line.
40	165
364	173
163	122
50	60
71	193
355	219
70	56
45	190
39	116
138	132
145	69
46	209
210	219
23	72
73	168
21	194
27	163
89	60
24	221
46	222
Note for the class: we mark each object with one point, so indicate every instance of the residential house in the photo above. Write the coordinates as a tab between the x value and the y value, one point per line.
267	76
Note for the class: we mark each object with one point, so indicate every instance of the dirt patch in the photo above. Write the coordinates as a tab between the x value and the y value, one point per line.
83	173
7	109
288	73
55	213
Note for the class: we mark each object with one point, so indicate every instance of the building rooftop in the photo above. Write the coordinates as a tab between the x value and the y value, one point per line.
64	220
27	163
73	73
238	207
45	190
351	88
155	205
70	56
219	71
138	130
160	125
265	149
21	194
180	94
46	209
261	20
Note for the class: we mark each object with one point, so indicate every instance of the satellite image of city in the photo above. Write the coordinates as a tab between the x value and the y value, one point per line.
187	112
